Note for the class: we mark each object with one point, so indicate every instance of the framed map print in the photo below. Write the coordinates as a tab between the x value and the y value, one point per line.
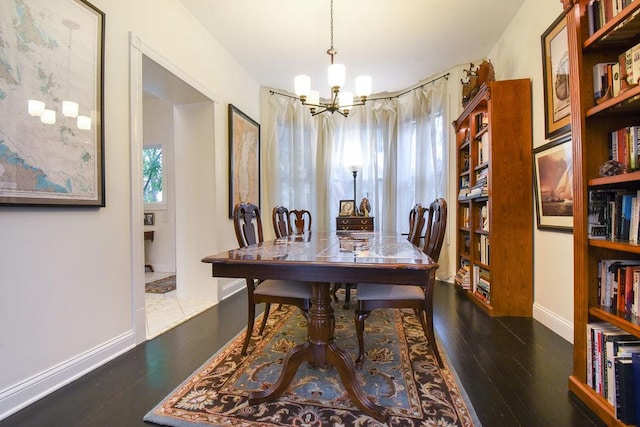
51	103
244	159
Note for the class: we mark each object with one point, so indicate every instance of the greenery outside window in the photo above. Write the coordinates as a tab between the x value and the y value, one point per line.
153	177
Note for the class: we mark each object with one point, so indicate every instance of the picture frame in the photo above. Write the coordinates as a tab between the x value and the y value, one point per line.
244	159
51	117
149	218
347	208
553	172
555	70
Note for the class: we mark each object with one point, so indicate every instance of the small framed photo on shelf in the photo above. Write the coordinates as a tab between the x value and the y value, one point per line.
149	218
347	208
555	70
553	171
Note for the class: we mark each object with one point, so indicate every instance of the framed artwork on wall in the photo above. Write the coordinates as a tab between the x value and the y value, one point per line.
555	68
244	159
553	171
51	105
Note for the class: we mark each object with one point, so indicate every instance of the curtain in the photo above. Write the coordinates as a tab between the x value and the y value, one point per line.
400	142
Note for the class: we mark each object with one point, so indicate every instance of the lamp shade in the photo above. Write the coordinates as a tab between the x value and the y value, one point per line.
345	99
302	85
336	75
352	159
363	85
313	98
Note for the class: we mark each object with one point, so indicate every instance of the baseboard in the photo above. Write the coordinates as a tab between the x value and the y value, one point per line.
552	321
230	288
20	395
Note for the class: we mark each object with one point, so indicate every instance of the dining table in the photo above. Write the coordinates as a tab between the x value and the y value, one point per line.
323	258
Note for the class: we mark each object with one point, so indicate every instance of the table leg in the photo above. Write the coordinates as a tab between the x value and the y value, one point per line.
321	349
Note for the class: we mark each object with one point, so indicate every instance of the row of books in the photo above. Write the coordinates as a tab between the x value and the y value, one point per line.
466	218
612	78
624	147
484	217
599	12
614	215
613	369
619	285
463	277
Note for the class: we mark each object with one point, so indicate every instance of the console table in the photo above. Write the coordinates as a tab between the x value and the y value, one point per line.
354	223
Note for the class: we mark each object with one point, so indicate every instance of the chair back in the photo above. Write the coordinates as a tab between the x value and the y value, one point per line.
416	223
281	224
247	224
301	220
436	225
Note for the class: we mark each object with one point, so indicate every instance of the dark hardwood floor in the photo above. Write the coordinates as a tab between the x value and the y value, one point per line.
514	370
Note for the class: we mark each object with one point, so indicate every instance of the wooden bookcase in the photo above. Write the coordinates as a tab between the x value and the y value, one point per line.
591	123
493	138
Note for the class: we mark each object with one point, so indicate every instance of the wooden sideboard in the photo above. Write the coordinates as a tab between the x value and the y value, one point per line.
362	223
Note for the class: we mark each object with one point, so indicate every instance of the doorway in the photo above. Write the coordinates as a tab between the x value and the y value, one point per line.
169	112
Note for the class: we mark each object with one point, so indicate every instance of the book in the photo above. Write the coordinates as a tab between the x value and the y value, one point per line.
624	407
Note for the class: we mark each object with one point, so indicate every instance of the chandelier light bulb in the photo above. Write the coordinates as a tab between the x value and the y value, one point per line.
302	84
36	108
363	86
345	99
336	75
84	122
70	109
313	98
48	117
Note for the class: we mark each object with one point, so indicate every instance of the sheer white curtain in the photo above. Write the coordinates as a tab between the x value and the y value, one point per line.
402	142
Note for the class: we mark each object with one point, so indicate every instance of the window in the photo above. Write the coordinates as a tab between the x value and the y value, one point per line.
153	174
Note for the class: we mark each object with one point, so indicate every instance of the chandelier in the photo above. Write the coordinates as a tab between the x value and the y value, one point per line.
342	102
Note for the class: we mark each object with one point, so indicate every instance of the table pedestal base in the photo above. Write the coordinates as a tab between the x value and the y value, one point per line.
320	349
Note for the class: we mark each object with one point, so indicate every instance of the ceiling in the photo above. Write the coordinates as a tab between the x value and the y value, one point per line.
399	43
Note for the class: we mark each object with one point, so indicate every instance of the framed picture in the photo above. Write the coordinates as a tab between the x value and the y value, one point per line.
347	208
555	69
553	170
51	108
244	159
149	218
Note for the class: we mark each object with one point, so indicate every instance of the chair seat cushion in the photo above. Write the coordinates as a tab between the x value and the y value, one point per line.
285	288
374	291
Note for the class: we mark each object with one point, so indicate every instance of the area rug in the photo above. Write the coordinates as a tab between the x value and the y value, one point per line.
399	372
161	286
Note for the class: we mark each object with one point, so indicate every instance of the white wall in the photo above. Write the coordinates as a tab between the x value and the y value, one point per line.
66	273
518	54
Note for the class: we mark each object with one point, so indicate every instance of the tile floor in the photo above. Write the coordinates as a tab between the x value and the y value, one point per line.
166	311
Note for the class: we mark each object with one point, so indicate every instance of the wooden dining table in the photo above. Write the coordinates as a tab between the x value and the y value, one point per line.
325	258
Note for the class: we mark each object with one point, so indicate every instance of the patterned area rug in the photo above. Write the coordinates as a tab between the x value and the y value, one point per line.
161	286
399	372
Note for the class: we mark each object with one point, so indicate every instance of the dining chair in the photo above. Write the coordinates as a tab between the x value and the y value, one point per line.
416	223
248	227
373	296
281	223
301	220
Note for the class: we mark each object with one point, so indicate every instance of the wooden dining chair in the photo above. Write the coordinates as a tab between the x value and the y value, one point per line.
416	223
301	220
248	227
420	298
281	223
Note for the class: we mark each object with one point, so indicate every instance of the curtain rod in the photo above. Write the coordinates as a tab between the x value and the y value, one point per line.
444	76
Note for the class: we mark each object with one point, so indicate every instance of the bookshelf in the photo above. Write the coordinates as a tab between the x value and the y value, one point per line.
591	124
494	221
